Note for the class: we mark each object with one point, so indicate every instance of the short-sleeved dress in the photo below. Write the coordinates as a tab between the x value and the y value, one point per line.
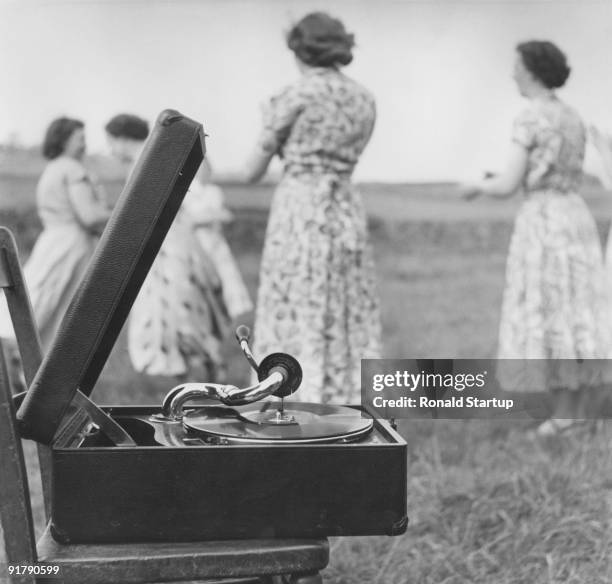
553	303
317	296
63	249
178	321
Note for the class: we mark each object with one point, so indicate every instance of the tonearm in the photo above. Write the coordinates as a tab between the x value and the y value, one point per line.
279	375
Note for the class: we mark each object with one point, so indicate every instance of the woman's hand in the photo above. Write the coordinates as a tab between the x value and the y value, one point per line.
600	140
259	160
504	184
91	209
603	144
470	191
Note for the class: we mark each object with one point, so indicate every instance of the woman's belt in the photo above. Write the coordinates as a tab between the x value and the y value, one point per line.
317	169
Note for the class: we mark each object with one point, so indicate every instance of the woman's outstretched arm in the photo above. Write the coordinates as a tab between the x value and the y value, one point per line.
603	145
504	184
258	161
91	210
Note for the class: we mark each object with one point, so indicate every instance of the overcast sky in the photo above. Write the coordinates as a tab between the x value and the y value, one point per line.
440	70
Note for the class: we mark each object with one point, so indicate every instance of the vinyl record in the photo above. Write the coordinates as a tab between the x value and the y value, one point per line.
258	423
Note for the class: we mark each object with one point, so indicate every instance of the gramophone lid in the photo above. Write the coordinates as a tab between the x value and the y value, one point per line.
141	218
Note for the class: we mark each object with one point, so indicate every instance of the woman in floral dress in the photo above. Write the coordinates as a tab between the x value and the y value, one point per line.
317	298
553	305
178	320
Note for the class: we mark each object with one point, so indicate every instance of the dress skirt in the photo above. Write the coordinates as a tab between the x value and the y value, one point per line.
54	271
317	295
554	305
178	320
235	293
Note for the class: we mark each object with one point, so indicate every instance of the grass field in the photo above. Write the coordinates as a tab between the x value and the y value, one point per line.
486	504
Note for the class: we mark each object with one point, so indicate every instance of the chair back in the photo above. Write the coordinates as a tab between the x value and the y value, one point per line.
15	508
26	333
20	308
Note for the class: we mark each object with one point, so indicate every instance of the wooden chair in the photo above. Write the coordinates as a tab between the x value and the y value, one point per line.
295	561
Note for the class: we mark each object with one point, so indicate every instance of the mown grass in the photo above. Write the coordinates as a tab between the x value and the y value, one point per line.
489	505
486	503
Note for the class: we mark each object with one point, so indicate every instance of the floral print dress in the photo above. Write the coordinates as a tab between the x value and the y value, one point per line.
553	304
178	321
317	295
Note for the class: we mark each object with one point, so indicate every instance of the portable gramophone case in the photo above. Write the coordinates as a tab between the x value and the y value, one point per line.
215	471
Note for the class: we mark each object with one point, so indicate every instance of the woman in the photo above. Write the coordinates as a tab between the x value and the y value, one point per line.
178	320
553	303
73	210
317	298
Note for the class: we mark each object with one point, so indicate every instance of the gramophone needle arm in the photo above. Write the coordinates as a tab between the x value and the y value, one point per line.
242	335
230	395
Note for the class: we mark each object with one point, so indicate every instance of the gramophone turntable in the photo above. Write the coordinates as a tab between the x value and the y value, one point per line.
213	461
245	420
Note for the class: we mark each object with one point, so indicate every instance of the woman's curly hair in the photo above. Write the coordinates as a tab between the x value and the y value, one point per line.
128	126
57	135
546	62
321	41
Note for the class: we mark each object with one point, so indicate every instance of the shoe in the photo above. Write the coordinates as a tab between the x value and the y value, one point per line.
556	427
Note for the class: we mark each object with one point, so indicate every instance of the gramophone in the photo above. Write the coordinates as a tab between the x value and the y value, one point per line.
246	419
213	461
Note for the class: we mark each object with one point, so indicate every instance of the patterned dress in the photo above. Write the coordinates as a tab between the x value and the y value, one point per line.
178	320
553	303
317	296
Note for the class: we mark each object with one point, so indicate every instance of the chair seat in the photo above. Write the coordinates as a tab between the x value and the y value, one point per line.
166	562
